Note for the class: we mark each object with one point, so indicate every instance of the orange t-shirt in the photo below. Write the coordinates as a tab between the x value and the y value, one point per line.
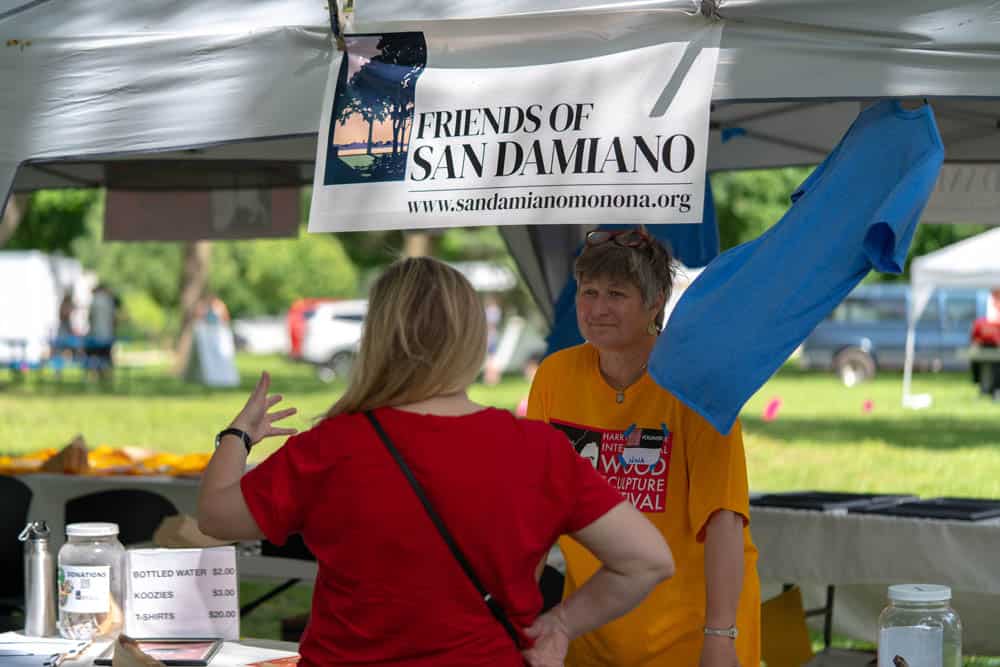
698	472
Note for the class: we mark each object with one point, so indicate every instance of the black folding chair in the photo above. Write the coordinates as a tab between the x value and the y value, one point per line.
138	513
13	517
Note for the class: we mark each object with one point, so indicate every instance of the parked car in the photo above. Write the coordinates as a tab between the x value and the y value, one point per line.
298	315
331	338
867	332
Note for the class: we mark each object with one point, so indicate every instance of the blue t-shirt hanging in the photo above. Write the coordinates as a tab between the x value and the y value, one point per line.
754	304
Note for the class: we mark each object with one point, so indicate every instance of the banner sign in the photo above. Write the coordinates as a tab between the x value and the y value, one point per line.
176	593
594	129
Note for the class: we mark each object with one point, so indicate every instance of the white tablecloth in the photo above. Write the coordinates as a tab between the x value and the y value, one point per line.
863	554
859	554
50	493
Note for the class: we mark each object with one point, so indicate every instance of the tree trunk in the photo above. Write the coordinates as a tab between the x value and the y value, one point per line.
417	244
194	280
17	207
371	126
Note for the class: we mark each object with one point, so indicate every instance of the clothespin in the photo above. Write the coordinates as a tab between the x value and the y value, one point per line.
337	24
710	9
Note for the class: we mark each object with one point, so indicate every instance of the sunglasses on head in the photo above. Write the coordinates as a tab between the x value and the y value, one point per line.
626	238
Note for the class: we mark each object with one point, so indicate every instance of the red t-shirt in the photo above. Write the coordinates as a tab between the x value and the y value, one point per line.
389	592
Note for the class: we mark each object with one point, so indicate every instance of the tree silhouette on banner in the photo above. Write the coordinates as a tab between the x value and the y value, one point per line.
381	91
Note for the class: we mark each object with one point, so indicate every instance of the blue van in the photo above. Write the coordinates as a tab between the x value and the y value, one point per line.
867	332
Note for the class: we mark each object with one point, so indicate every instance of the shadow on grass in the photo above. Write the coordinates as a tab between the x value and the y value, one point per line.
932	433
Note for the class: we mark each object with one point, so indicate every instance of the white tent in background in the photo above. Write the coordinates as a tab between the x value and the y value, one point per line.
973	262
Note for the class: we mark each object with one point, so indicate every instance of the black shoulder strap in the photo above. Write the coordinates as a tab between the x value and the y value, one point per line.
490	601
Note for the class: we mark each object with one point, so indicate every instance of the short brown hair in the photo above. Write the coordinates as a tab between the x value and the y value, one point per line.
649	267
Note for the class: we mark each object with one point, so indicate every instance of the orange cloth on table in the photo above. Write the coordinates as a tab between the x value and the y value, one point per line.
699	472
105	460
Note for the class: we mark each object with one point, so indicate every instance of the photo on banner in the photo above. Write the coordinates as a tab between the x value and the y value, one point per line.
591	120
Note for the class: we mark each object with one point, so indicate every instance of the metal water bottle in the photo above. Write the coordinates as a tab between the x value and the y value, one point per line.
39	581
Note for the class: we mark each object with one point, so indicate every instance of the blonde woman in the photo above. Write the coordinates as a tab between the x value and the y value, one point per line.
390	591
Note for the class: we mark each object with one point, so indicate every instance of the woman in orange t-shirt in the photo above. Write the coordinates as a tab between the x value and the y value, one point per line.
686	477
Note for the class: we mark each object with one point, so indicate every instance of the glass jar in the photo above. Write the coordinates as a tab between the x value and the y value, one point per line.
91	582
919	628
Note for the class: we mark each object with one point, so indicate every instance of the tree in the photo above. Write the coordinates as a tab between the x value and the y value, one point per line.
360	100
50	220
264	276
406	53
13	214
749	202
384	87
194	280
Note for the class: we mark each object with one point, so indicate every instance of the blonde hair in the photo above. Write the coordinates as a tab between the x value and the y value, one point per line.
424	335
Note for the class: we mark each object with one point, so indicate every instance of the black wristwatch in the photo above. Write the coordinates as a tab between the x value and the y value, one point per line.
247	441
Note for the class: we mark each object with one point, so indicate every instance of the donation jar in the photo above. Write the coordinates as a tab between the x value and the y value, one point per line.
919	628
91	582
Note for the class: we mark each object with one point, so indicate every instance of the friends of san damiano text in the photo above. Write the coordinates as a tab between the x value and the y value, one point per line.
570	152
583	155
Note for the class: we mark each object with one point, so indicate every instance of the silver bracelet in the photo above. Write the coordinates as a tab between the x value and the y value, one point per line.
730	632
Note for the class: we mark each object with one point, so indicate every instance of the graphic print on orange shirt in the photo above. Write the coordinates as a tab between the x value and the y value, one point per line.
613	454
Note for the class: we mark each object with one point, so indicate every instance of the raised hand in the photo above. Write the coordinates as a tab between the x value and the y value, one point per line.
255	419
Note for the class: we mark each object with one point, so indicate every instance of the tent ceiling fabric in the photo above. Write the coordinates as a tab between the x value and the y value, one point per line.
776	49
93	80
97	79
100	81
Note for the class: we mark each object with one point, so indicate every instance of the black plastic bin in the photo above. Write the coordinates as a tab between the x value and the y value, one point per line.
826	501
960	509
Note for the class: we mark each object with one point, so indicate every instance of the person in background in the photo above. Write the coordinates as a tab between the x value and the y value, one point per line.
528	373
213	310
389	591
66	345
66	308
104	315
494	315
688	479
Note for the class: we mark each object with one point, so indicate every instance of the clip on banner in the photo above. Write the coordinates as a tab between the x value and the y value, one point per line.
588	120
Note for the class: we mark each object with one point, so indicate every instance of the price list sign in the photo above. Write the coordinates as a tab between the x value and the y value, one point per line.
180	593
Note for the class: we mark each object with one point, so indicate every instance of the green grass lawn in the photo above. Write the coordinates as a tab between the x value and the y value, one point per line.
822	437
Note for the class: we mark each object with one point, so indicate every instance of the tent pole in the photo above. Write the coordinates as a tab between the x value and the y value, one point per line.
908	362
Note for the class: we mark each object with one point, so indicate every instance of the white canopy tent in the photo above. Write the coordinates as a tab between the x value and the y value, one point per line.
218	93
973	262
208	93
